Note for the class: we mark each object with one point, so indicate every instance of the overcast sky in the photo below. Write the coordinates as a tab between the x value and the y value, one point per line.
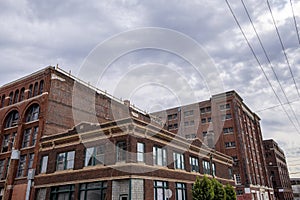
38	33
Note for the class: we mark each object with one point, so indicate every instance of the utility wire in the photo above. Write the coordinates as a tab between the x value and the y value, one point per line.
275	106
260	65
282	46
264	50
295	22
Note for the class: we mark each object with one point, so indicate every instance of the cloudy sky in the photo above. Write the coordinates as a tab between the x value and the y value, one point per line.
35	34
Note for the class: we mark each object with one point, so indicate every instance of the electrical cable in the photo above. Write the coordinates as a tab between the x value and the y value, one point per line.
295	22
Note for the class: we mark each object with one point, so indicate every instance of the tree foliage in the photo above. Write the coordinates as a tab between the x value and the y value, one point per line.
230	193
219	191
203	189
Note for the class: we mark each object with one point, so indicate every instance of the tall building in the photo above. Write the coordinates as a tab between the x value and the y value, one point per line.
226	124
278	170
296	188
42	107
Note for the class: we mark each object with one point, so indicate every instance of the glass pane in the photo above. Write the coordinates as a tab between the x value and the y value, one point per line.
93	194
88	156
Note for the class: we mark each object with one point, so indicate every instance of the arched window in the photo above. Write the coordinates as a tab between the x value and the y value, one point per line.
16	98
12	119
33	113
3	101
35	89
11	95
30	91
41	86
22	94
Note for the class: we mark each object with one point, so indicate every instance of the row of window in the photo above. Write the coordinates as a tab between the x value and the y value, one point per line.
32	114
98	190
96	155
19	95
204	120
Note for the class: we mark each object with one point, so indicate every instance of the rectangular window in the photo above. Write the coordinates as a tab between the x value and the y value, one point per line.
209	119
2	163
180	191
237	179
159	156
65	161
188	113
65	192
34	135
208	109
186	123
226	117
160	189
194	163
30	161
178	160
21	166
229	144
206	167
140	152
228	130
94	155
204	133
202	110
121	151
44	164
203	120
5	143
90	191
192	123
26	138
213	166
41	194
225	106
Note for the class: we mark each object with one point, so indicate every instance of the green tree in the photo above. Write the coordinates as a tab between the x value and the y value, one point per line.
219	191
230	193
203	190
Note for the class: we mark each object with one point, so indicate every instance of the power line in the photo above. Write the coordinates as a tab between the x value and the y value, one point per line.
264	50
260	65
275	106
295	22
283	48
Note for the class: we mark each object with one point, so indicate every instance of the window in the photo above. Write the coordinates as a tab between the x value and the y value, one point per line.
226	117
209	119
34	135
65	160
12	119
225	106
172	116
65	192
230	173
2	101
160	188
194	163
206	167
180	191
11	95
140	152
204	133
33	113
41	87
229	144
94	155
213	166
175	126
2	164
5	143
192	123
91	191
203	120
22	94
44	163
188	113
186	123
16	98
26	138
178	160
121	151
30	161
35	89
208	109
21	167
41	194
202	110
228	130
159	156
30	91
239	192
237	179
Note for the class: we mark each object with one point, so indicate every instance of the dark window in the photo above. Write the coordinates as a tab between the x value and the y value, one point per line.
41	193
203	120
21	167
22	94
90	191
94	155
16	98
11	95
209	119
202	110
35	89
41	87
30	161
2	164
160	189
65	160
3	101
228	130
208	109
204	133
8	142
206	167
194	163
121	151
226	117
12	119
33	113
26	138
65	192
188	113
180	191
229	144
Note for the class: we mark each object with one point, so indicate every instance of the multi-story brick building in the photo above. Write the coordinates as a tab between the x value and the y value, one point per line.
124	159
278	170
226	124
42	105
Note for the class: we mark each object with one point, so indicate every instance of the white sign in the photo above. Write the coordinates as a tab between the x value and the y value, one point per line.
168	193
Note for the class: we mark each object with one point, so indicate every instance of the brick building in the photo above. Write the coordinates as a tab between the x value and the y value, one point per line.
37	108
226	124
278	170
125	159
296	188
